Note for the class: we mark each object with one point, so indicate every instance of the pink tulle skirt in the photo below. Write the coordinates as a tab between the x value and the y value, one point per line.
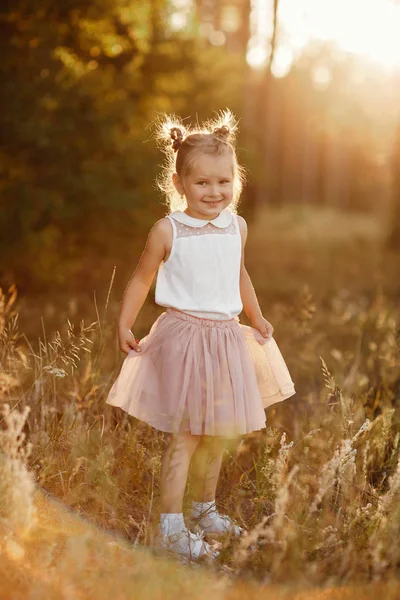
204	376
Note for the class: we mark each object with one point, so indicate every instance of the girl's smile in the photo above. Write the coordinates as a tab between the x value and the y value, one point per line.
212	203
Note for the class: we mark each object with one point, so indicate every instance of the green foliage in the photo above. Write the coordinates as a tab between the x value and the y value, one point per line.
80	85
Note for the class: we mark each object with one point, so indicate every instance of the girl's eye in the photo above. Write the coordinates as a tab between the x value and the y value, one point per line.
225	181
201	182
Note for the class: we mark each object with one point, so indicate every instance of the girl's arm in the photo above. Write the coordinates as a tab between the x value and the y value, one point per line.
140	282
250	303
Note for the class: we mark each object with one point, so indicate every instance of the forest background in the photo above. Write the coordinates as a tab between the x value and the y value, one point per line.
81	82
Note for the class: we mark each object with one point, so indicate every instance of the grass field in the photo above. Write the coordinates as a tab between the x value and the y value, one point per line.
64	556
318	490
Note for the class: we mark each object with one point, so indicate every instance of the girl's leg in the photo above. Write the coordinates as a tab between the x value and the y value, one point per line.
207	462
206	466
174	471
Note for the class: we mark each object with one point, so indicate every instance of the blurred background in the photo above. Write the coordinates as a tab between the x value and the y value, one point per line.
314	83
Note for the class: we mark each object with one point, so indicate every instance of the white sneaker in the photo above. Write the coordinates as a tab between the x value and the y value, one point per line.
211	522
187	543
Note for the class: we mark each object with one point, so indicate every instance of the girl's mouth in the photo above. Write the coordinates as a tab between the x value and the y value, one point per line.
214	203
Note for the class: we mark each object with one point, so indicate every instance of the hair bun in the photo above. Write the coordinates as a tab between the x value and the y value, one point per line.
223	131
177	137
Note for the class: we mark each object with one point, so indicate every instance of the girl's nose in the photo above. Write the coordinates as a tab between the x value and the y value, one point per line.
214	191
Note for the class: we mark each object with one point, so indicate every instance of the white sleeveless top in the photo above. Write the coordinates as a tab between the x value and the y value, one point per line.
202	274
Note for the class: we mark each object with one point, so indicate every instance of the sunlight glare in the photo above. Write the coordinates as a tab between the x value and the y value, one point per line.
256	57
282	62
179	19
321	77
368	28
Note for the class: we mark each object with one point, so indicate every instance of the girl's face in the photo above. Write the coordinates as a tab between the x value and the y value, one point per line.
208	187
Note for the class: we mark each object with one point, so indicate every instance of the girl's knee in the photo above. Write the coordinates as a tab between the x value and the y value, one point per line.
186	441
214	442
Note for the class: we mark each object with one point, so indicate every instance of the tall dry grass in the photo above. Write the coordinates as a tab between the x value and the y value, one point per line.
318	490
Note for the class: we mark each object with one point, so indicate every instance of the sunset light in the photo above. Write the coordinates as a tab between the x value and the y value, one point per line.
369	29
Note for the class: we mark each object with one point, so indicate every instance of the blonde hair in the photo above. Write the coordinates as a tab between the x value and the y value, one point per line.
180	145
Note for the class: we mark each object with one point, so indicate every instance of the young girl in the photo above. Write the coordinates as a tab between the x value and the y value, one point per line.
199	374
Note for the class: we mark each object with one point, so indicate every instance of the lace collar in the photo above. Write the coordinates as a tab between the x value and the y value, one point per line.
223	220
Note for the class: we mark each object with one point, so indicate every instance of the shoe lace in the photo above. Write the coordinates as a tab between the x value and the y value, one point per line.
199	536
208	549
214	514
228	520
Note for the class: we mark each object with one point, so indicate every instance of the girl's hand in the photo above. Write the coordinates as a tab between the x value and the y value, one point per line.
263	326
127	341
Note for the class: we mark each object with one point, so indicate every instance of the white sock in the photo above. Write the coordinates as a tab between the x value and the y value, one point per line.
171	523
199	507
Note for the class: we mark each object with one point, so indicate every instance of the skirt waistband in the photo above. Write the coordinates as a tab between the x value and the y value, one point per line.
220	323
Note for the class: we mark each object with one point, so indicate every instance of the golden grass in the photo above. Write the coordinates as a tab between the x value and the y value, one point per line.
64	556
318	490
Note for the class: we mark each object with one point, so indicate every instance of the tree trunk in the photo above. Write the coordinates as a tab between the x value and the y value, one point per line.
393	239
268	151
248	110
